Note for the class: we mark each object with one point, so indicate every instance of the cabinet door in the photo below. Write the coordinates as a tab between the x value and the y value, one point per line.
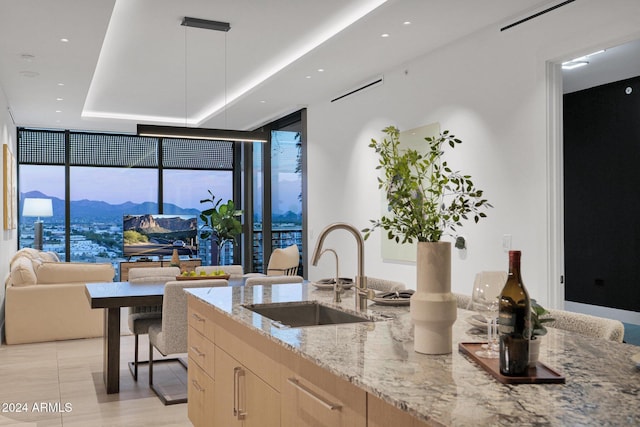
259	402
325	401
243	399
200	396
225	407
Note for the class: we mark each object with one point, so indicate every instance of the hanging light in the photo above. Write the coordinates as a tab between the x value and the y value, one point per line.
184	132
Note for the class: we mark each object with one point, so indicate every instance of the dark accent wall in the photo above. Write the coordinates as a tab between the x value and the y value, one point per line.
602	195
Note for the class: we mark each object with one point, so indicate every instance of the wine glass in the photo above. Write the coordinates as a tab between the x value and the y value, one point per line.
485	302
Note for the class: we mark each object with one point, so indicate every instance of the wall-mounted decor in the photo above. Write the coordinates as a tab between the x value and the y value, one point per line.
9	189
412	138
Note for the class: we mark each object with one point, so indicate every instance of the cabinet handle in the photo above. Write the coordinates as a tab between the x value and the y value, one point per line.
237	412
329	405
197	351
198	318
196	385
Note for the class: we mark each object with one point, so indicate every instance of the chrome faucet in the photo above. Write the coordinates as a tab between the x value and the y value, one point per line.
362	293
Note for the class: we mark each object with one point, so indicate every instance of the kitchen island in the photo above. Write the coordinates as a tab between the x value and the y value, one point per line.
378	360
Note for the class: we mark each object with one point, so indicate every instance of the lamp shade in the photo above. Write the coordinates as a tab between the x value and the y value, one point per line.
39	207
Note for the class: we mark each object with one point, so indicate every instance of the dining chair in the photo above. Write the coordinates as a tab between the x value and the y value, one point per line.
170	335
140	318
588	325
234	271
272	280
284	261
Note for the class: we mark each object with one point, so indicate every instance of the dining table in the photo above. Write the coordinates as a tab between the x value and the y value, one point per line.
112	296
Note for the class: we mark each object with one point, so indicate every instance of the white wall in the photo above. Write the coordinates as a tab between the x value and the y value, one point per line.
8	242
490	90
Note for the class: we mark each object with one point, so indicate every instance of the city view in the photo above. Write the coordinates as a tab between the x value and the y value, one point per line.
96	235
96	200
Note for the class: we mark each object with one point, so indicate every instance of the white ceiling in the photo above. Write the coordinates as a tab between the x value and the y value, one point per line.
129	62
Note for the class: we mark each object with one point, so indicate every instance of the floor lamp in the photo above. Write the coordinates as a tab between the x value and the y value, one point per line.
37	207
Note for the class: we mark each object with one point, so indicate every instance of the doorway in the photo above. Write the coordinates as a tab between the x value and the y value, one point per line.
567	289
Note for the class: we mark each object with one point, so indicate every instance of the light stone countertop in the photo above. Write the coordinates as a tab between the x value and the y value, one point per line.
602	383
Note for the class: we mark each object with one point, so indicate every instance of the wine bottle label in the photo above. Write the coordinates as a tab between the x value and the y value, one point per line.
506	323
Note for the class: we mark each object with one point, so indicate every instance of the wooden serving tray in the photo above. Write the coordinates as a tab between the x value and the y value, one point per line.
198	277
540	374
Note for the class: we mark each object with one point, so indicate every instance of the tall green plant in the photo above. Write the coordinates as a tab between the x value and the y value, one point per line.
425	197
220	222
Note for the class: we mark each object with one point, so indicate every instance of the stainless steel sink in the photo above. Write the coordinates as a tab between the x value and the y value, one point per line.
304	313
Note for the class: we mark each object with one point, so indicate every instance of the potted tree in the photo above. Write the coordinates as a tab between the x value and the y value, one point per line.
220	223
426	200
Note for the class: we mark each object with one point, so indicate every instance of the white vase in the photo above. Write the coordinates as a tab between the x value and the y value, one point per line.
433	306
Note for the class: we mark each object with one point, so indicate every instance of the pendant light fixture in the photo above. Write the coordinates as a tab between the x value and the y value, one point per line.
184	132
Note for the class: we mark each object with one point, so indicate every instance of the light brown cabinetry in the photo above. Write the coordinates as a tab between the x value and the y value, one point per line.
238	377
201	352
243	399
314	397
382	414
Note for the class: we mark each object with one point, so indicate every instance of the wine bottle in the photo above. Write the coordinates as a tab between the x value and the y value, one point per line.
514	322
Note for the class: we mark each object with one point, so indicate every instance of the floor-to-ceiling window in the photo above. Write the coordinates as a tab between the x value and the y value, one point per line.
41	181
95	179
278	191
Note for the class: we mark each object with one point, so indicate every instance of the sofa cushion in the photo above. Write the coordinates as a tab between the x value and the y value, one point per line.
22	273
49	257
73	272
29	253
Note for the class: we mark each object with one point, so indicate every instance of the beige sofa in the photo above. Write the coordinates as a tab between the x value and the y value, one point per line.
45	299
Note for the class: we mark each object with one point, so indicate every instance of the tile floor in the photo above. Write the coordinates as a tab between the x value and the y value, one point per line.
60	384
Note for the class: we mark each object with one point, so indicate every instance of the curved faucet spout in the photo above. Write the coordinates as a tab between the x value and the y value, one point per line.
361	281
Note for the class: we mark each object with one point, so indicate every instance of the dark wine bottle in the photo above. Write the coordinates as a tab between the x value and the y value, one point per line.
514	322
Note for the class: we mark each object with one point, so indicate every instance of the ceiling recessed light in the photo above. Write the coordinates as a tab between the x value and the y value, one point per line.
384	35
320	70
325	32
64	40
60	84
406	23
307	77
263	102
59	99
58	111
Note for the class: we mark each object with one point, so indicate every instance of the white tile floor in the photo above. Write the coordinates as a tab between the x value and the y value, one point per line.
60	384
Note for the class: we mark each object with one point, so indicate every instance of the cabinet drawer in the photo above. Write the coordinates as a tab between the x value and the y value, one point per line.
199	317
382	414
201	350
252	350
319	398
200	396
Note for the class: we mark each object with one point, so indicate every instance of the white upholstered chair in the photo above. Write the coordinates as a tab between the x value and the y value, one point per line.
170	336
140	318
284	261
234	271
585	324
272	280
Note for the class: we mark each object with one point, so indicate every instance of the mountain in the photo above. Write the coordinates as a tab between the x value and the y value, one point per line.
148	223
103	211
